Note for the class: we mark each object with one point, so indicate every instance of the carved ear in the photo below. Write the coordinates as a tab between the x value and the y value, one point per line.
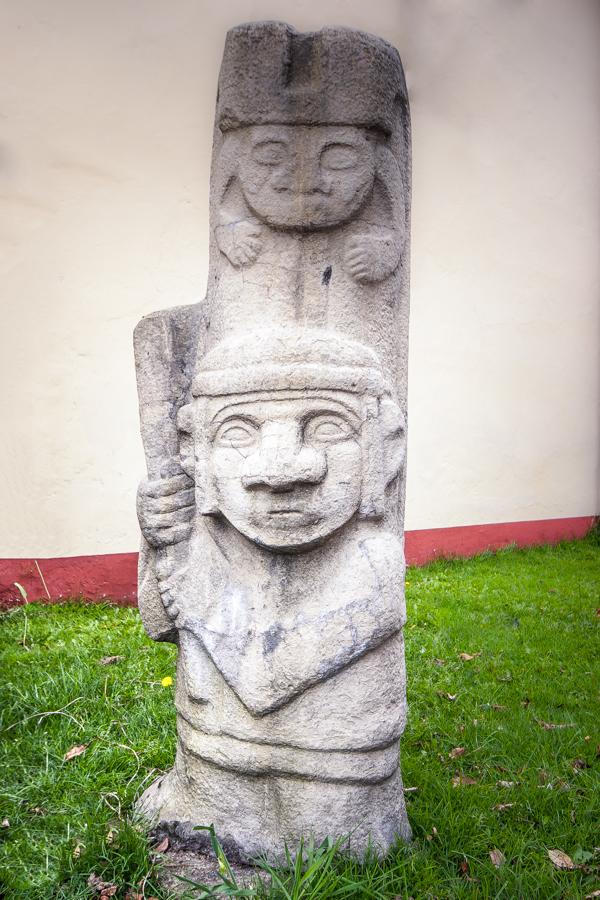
185	426
384	449
393	433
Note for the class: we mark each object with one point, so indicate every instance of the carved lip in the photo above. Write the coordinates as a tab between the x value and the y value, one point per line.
291	516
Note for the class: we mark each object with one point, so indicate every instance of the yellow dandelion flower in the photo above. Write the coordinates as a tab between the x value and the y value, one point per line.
167	681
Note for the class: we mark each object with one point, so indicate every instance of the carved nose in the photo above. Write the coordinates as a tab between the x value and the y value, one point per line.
311	178
315	183
282	471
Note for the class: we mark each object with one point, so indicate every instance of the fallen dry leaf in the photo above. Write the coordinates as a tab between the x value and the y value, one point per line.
593	894
458	751
410	790
497	857
106	889
467	657
580	764
462	780
497	707
561	785
5	823
551	726
506	784
164	845
75	751
446	695
134	895
38	811
500	807
77	851
561	860
439	662
464	871
110	660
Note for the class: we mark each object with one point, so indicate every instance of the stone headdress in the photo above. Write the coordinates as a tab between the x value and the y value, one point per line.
273	74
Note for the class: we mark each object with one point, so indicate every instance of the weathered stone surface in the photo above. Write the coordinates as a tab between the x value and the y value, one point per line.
273	421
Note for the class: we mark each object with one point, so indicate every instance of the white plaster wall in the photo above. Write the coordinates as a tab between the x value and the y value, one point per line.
105	131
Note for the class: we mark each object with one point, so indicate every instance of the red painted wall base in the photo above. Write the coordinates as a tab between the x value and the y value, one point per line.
114	575
468	540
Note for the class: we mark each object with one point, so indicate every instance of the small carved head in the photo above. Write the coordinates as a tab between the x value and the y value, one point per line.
289	448
305	176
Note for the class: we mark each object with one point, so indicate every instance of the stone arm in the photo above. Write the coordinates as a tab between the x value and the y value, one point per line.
268	666
165	346
238	232
374	248
165	509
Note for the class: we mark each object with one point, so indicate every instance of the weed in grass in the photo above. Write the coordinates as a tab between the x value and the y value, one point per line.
513	637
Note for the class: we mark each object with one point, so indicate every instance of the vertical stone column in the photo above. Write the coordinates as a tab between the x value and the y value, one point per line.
273	419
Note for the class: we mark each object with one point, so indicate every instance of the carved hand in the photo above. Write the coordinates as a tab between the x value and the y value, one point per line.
372	256
240	242
165	509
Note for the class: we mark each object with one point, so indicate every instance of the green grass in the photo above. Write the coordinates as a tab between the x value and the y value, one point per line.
530	614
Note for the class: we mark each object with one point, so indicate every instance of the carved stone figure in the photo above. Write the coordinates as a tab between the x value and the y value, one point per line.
274	429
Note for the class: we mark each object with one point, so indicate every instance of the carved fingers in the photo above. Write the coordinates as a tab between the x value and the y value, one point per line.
165	509
372	257
240	242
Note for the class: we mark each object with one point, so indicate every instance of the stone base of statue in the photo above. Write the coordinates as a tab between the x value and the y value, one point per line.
256	816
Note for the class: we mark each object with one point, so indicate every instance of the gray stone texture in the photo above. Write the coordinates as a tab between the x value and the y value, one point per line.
273	422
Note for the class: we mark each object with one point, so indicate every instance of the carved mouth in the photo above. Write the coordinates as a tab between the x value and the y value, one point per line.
291	517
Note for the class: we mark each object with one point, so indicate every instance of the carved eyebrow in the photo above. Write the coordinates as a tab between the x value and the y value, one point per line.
328	406
349	415
216	422
341	142
265	141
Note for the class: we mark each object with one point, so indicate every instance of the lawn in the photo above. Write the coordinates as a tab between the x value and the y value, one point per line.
501	751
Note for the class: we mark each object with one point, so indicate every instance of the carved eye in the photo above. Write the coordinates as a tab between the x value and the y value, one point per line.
270	153
339	156
236	433
327	428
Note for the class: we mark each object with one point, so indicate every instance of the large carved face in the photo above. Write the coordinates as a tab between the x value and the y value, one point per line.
286	467
306	177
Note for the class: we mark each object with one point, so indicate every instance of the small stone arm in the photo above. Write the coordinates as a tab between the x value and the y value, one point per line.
374	249
238	233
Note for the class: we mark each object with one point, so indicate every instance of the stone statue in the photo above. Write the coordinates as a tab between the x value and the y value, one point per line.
273	421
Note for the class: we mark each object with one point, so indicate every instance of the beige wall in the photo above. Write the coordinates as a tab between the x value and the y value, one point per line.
106	119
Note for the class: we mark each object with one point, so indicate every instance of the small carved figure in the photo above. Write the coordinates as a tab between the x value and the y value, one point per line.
309	178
